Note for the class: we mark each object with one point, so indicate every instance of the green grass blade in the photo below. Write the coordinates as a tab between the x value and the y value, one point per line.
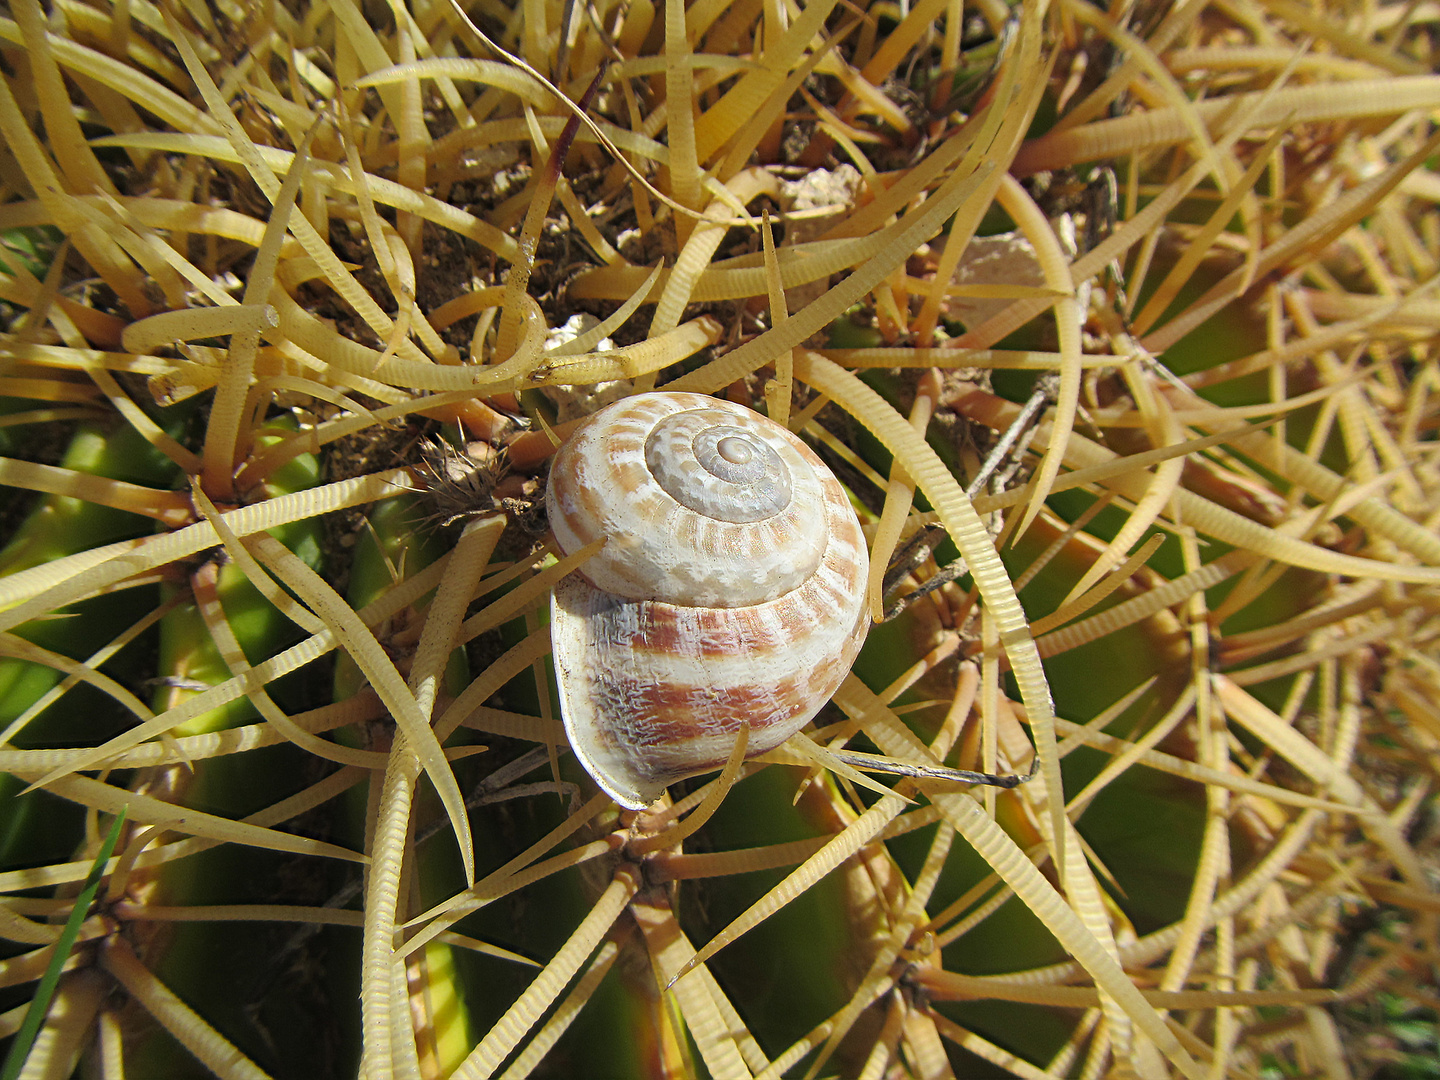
40	1003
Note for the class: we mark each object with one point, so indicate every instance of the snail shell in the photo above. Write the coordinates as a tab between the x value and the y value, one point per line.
730	588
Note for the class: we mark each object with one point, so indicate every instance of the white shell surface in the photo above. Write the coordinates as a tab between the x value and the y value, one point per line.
655	688
659	547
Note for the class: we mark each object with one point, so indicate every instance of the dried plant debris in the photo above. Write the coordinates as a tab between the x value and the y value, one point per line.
1120	327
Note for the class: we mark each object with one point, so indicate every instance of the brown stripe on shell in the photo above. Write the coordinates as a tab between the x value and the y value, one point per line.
824	679
678	731
690	633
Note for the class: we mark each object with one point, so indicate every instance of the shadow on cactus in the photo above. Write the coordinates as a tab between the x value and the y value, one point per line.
1096	358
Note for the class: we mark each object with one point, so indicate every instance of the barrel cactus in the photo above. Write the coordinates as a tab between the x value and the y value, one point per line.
1118	329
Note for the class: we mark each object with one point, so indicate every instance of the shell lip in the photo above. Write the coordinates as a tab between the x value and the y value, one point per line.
628	790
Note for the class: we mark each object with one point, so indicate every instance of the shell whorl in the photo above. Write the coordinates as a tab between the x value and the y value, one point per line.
657	680
698	499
